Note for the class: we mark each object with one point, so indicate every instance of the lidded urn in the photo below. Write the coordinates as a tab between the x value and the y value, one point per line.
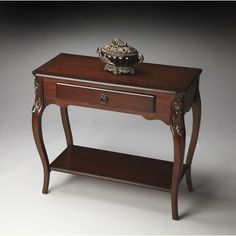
119	57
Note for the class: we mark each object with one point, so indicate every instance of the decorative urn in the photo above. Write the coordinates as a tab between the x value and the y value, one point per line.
119	57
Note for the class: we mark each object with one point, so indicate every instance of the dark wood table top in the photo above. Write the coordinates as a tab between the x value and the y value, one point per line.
161	77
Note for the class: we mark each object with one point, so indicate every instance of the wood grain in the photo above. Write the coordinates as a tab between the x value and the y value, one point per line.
115	166
163	77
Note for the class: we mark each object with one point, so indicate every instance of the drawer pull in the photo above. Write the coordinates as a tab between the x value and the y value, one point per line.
103	98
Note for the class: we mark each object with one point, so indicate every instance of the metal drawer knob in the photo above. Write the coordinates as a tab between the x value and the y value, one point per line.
103	98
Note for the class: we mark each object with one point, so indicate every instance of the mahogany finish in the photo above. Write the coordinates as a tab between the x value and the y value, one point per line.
109	98
158	92
66	125
171	78
112	165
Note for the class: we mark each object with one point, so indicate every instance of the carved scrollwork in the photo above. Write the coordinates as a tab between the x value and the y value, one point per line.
177	116
38	102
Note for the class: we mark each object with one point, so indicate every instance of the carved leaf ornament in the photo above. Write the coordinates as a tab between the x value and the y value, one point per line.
177	116
37	106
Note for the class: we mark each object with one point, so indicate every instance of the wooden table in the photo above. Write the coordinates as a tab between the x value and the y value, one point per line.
159	92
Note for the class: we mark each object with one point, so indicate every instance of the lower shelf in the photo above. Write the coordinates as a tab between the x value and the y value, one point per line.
115	166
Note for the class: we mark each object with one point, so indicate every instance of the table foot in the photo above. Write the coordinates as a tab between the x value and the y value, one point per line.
46	182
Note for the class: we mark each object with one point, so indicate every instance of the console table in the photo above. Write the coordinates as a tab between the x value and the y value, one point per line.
158	92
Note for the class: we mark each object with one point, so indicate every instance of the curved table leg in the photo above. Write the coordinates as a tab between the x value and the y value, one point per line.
66	125
178	133
196	110
37	112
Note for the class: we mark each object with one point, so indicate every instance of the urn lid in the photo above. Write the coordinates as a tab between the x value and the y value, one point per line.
118	47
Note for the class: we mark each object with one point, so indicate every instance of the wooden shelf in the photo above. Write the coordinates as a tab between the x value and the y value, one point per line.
115	166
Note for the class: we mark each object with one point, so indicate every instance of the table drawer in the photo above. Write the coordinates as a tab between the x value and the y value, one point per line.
106	97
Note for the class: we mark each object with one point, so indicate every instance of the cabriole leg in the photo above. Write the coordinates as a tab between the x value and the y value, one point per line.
196	110
66	125
37	112
178	133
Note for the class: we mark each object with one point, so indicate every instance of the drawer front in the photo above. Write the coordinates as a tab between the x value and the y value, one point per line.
106	98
